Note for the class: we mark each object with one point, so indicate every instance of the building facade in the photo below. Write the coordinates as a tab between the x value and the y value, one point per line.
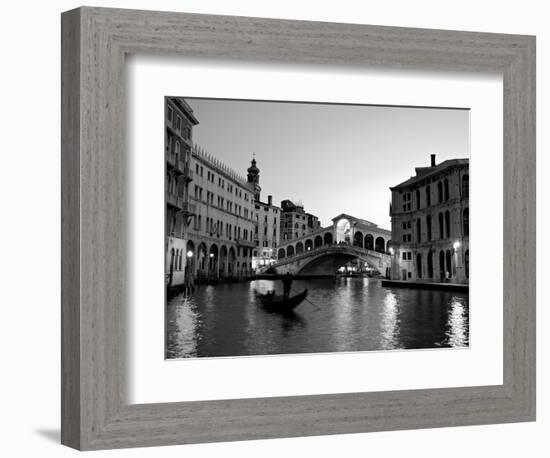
179	122
430	224
266	235
295	222
210	214
221	231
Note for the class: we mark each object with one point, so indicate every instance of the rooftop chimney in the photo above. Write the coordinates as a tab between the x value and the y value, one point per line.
432	157
269	200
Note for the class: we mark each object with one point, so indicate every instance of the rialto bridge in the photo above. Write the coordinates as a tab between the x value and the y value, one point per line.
324	251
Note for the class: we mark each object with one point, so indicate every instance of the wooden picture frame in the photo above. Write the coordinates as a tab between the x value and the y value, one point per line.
95	412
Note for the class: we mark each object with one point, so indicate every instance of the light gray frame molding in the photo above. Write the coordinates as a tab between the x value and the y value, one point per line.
95	413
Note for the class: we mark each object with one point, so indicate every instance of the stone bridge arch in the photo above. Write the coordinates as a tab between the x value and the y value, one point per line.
327	259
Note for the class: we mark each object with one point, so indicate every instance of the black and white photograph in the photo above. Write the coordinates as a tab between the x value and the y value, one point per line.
297	227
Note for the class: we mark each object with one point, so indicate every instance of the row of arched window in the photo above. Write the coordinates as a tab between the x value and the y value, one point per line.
176	259
443	192
368	242
447	269
296	225
444	225
171	184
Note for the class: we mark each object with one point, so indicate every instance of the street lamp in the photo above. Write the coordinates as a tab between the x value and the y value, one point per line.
456	245
189	254
392	251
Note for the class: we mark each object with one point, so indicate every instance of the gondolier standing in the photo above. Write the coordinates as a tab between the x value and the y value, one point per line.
287	283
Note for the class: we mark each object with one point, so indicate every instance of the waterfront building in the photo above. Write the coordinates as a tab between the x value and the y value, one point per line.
266	235
210	220
430	224
179	122
221	232
295	222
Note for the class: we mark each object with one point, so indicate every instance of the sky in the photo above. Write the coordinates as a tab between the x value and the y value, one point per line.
333	158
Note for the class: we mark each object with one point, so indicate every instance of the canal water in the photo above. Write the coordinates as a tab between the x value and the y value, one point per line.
343	314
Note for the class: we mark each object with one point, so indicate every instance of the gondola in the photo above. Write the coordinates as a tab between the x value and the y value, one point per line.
275	303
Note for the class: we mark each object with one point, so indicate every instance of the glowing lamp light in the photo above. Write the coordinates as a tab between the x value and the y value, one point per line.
211	255
189	254
392	251
456	245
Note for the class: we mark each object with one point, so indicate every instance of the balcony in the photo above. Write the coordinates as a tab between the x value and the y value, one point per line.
189	209
175	201
187	173
245	243
174	162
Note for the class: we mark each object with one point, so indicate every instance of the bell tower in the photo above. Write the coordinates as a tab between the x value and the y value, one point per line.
253	176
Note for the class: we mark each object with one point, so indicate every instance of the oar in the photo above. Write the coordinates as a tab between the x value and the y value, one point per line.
306	299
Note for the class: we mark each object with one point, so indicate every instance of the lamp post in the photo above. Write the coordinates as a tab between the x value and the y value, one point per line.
392	262
189	269
458	258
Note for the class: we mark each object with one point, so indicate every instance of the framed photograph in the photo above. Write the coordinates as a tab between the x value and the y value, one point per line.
277	228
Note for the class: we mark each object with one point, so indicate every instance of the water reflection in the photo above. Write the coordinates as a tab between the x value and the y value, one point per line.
348	314
457	325
389	329
182	328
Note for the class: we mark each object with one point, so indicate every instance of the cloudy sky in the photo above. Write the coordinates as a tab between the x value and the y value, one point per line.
333	158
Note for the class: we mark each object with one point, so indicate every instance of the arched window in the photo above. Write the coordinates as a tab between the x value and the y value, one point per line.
417	194
446	187
428	196
449	263
174	221
430	264
418	265
369	242
418	230
465	186
281	253
441	265
447	224
466	222
358	239
467	263
439	192
295	225
290	251
429	227
440	217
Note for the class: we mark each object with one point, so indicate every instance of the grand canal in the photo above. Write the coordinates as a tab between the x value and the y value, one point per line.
342	314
